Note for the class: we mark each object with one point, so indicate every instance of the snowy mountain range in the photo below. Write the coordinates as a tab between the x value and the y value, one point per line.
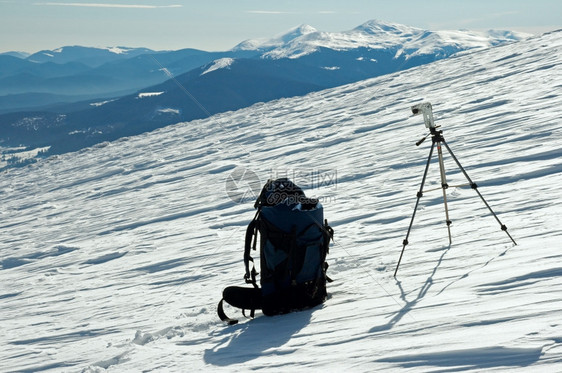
92	57
295	63
114	258
378	35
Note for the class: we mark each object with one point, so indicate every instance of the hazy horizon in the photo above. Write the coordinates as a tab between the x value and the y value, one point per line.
32	26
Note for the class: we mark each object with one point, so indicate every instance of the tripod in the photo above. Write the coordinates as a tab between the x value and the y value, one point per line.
437	140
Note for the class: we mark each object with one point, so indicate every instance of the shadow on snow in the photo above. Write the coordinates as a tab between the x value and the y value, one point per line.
410	304
257	338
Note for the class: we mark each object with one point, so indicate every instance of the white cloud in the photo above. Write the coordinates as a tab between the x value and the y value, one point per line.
105	5
266	12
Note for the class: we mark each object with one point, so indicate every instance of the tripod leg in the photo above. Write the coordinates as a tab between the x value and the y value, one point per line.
419	195
475	187
444	186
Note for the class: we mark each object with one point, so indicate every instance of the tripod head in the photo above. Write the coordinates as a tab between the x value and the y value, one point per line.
436	135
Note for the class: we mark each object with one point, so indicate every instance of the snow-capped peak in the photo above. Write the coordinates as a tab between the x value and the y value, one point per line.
296	32
221	63
380	28
276	41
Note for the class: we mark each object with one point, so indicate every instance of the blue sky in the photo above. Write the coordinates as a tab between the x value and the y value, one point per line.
32	25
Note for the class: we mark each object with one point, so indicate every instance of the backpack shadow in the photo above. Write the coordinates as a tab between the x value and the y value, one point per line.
248	341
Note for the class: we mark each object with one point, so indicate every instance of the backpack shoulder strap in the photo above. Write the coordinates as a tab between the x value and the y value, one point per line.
328	235
250	243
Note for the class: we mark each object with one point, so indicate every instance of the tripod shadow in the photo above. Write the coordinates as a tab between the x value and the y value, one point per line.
249	340
409	305
473	270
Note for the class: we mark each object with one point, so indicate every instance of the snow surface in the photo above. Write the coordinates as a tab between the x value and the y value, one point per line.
149	94
118	50
221	63
114	257
169	111
101	103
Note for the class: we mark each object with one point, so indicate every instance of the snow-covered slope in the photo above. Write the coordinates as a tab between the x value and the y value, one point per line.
379	35
114	258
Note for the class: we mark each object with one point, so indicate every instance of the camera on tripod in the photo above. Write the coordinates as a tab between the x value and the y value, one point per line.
438	139
427	111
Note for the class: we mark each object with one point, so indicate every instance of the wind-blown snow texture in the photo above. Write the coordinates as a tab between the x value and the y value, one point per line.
115	257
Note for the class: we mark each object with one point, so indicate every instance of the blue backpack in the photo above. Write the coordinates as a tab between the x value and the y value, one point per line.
294	241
